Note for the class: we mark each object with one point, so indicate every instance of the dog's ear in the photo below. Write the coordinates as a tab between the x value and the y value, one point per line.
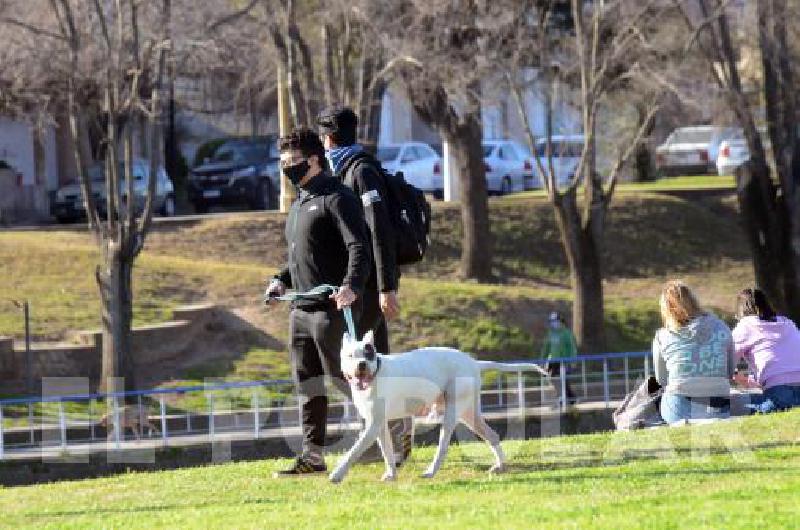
369	338
369	351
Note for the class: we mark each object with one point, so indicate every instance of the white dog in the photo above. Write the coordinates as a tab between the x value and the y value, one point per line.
387	387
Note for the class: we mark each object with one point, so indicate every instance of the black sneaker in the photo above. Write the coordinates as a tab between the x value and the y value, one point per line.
302	467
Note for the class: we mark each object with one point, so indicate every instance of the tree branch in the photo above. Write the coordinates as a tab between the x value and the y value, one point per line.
233	17
41	32
611	180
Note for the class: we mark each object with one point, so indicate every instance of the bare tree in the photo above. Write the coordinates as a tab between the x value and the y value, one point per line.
108	61
770	206
437	51
326	53
597	50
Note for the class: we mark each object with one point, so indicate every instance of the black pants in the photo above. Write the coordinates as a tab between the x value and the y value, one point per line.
554	369
372	319
315	345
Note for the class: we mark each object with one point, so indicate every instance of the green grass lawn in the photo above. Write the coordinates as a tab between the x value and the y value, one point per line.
691	182
650	237
742	473
666	184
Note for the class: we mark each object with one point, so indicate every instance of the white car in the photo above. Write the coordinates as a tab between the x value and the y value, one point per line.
164	198
732	154
735	152
420	164
692	150
67	205
565	153
509	167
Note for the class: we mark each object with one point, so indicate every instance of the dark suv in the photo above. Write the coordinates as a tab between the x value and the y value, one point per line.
241	171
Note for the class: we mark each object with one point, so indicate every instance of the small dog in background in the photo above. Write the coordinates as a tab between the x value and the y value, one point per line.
130	417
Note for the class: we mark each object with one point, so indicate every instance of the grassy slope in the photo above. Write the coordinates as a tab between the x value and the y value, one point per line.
650	237
743	473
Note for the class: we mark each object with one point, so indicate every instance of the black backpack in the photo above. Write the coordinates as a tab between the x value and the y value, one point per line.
408	208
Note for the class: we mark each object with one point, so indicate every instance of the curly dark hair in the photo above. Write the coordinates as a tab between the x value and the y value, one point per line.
753	302
306	141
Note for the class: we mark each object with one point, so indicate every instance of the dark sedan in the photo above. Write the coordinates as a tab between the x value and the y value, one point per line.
241	171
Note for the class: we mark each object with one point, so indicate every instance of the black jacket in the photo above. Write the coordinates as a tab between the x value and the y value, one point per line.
327	240
361	174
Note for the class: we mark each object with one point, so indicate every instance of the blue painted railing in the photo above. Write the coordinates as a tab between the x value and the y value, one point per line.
500	394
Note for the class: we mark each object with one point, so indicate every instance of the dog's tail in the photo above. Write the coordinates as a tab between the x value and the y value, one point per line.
511	367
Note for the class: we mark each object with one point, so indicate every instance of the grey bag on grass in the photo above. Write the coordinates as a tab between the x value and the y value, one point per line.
640	408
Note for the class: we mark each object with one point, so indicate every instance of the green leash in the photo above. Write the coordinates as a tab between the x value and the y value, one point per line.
314	294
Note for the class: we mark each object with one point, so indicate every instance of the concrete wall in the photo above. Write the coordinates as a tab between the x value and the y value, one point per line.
26	203
52	360
18	149
154	346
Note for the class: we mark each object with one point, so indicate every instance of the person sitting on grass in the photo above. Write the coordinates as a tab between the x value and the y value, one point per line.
770	344
693	358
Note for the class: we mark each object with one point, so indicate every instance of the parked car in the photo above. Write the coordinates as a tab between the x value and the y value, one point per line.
566	150
68	205
164	198
692	150
509	167
420	164
241	171
732	154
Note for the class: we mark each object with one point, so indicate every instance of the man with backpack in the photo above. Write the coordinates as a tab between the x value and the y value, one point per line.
361	172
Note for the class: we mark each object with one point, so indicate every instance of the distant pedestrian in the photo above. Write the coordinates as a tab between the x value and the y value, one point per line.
559	343
693	358
770	344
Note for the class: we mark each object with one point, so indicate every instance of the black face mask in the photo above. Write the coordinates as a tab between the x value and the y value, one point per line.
296	172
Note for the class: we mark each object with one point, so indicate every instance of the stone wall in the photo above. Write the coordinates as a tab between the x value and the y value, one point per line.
158	345
29	203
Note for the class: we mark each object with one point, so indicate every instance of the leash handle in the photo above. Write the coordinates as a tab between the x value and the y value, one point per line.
314	294
348	318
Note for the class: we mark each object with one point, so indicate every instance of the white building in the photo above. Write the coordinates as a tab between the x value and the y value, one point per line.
33	171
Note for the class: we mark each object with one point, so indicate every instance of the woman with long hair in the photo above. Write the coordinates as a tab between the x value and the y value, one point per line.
693	358
770	344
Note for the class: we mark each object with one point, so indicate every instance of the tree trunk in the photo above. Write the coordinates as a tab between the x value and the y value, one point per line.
372	113
586	274
464	134
117	305
766	226
781	112
327	66
642	158
476	252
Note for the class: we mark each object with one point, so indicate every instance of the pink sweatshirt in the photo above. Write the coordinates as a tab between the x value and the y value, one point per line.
772	349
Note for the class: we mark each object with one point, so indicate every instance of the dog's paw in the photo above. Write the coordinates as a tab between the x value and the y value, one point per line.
335	478
497	469
428	474
389	476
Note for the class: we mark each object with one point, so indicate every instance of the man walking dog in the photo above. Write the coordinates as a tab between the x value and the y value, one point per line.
361	172
327	242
